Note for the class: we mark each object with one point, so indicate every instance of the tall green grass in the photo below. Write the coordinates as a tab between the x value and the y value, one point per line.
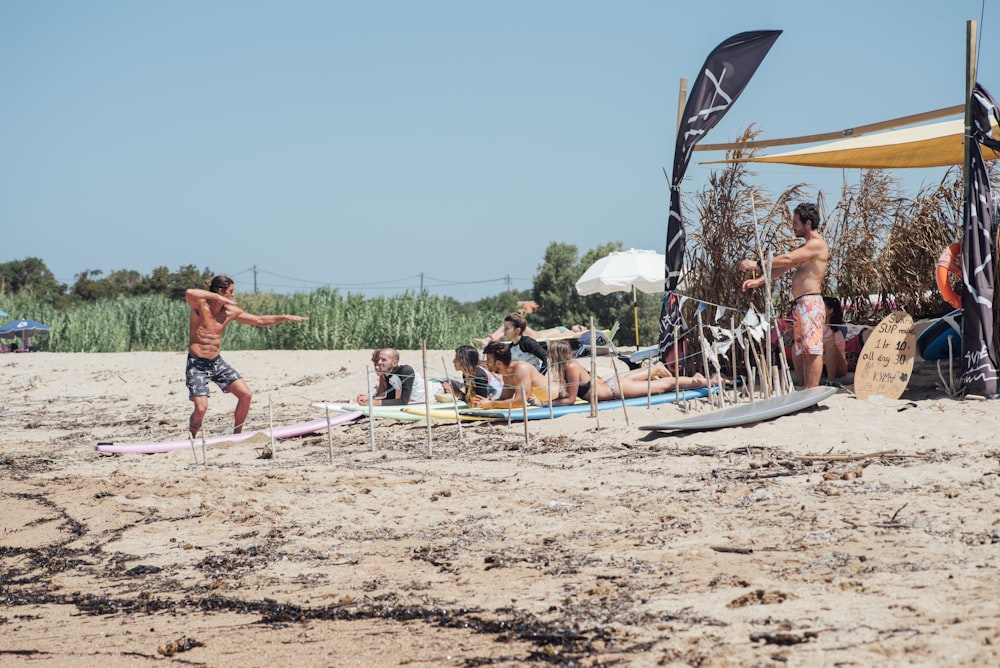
336	322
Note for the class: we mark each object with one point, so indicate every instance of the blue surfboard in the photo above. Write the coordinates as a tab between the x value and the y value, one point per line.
932	344
542	412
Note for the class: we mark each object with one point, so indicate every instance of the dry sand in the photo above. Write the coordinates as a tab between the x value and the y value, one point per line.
854	534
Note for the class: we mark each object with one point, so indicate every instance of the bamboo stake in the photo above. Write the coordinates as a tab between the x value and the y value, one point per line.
548	391
454	397
649	383
704	359
270	424
732	353
593	370
745	343
524	416
766	270
621	393
371	412
677	369
427	393
329	435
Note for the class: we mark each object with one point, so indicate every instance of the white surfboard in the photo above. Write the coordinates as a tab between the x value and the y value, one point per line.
735	416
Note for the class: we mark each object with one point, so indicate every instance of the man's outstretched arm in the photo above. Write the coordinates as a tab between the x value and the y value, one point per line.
266	320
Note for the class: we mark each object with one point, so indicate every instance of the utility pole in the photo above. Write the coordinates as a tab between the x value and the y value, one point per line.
255	279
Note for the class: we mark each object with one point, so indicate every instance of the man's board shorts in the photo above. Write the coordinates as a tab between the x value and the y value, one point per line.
808	323
199	371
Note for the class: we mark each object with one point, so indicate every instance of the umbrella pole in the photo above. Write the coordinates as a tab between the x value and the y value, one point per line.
635	312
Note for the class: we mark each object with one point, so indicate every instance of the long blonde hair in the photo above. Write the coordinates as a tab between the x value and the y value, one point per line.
560	354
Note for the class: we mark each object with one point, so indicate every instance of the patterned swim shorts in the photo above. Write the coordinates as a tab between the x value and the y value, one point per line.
808	323
199	371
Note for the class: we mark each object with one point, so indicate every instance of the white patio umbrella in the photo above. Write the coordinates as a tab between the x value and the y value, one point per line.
622	271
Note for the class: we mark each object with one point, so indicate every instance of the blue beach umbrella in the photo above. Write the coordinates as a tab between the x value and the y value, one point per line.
24	329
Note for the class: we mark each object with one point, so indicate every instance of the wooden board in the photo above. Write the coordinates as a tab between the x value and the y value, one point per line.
886	361
745	414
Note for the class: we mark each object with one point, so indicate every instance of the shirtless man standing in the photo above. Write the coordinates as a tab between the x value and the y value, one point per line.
211	311
808	310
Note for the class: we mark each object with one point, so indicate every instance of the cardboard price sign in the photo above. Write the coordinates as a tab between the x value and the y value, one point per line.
886	361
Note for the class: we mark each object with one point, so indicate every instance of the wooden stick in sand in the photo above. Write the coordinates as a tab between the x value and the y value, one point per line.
454	398
649	383
548	390
524	415
371	413
329	435
677	369
732	353
270	425
621	393
427	392
704	359
593	368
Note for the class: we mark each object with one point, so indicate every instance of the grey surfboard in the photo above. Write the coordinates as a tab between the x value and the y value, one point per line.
736	416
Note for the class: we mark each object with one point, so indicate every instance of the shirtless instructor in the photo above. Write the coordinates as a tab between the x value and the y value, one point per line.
211	311
808	310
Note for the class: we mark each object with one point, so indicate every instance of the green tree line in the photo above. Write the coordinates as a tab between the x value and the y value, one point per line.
126	311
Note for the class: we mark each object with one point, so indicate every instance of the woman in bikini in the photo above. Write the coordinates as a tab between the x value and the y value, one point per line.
573	381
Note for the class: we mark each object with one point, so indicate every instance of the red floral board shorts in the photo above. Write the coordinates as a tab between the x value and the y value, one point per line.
808	323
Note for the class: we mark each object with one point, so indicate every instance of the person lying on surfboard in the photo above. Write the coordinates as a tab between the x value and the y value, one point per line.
211	312
476	379
808	311
403	385
519	378
573	380
537	334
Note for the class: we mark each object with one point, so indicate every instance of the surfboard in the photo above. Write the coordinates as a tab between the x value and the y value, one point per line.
932	344
543	412
744	414
386	412
442	413
287	431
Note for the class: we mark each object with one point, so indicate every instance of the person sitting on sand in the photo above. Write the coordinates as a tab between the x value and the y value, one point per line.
403	384
519	377
575	381
834	343
476	379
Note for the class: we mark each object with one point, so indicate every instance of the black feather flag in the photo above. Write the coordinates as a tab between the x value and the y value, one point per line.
722	78
979	346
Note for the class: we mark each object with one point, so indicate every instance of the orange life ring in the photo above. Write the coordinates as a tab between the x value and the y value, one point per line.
950	262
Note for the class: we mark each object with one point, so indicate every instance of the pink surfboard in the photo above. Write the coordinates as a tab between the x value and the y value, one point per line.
287	431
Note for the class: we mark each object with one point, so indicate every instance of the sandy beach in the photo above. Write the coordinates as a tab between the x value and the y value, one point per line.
856	533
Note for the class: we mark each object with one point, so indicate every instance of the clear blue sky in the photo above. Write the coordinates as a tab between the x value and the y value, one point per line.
360	144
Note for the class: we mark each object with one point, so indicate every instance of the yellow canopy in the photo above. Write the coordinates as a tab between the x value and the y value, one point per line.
934	145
